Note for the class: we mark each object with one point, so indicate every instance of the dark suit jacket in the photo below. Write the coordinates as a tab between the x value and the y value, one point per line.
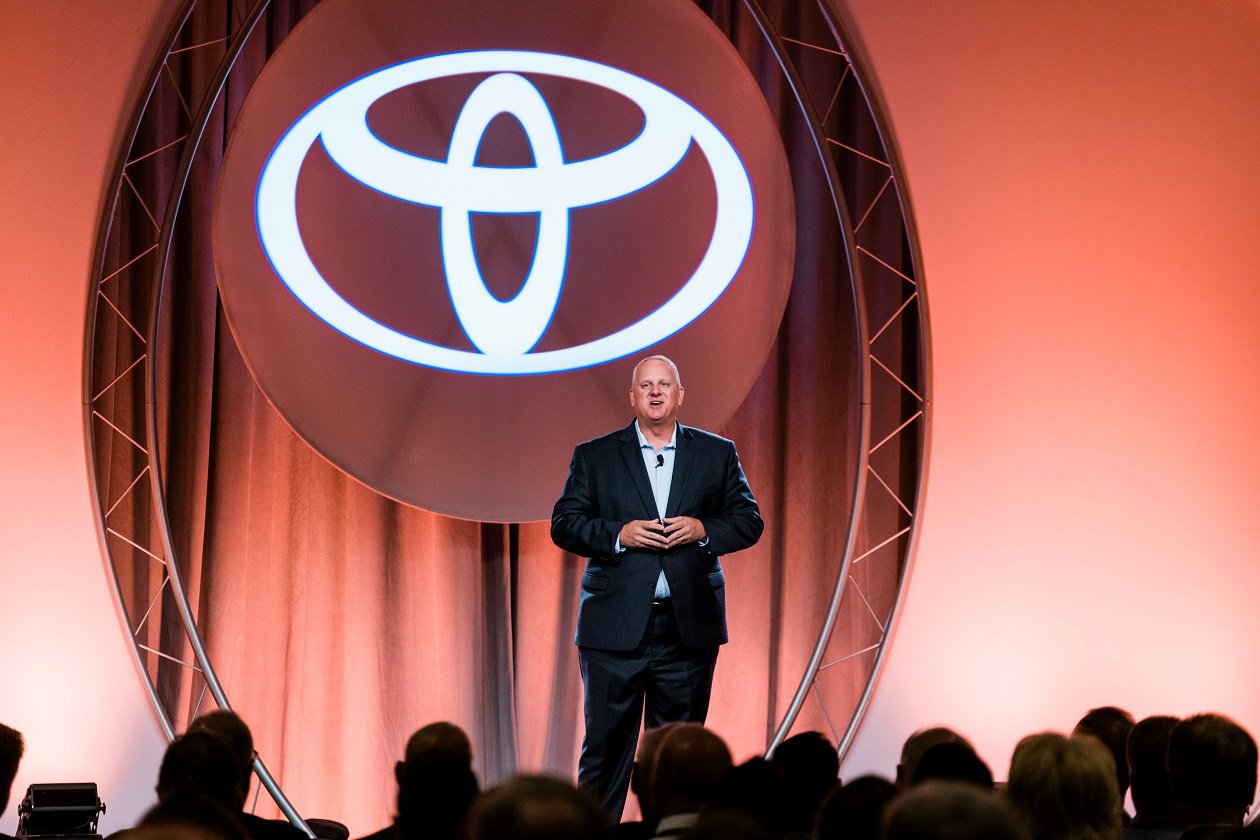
608	486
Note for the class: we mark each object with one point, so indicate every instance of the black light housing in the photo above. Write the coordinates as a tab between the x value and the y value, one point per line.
60	810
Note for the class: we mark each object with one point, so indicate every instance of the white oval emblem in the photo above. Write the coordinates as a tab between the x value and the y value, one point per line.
504	331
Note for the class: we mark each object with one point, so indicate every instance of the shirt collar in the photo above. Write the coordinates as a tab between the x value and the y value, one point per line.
673	438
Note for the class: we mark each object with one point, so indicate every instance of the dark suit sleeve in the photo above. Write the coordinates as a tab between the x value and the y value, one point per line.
739	524
576	525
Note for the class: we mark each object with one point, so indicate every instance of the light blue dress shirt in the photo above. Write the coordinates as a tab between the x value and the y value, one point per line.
660	475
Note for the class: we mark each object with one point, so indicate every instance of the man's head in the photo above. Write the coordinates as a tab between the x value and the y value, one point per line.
810	767
645	768
435	791
11	748
957	762
920	742
689	766
943	809
232	731
1065	787
755	788
1110	725
1212	766
856	810
656	392
439	738
189	816
200	764
1147	757
536	808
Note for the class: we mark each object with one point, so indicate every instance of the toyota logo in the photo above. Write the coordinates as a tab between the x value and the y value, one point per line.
444	230
504	331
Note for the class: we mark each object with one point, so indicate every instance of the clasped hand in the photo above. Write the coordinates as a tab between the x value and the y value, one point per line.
670	532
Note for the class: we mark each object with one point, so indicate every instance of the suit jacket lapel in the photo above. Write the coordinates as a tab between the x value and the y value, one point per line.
683	459
632	454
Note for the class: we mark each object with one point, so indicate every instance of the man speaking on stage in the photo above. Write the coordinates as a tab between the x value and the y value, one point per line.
653	507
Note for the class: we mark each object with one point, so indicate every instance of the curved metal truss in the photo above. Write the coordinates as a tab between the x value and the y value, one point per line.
121	423
865	181
123	432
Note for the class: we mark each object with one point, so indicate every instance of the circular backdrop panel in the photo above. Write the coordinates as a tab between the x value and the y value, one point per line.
446	230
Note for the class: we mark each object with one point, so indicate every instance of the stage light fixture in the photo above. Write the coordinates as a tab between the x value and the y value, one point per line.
68	810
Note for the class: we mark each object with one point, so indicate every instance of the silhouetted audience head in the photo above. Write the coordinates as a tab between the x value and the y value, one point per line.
730	825
943	809
436	784
435	792
536	808
1065	788
644	769
1212	767
326	829
952	760
233	734
200	764
1147	757
855	810
187	815
810	766
1111	725
440	737
690	763
919	743
230	729
174	831
11	749
756	789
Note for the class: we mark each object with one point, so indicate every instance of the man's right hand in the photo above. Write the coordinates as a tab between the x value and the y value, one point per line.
643	533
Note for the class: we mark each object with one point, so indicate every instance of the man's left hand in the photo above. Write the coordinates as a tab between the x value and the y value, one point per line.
680	530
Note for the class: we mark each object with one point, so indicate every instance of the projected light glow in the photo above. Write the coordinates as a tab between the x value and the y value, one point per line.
504	331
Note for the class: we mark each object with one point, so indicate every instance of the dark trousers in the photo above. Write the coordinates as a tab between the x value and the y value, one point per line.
660	681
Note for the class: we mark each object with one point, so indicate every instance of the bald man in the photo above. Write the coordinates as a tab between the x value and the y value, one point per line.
652	507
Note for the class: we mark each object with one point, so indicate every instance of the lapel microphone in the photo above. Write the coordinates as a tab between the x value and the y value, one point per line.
660	459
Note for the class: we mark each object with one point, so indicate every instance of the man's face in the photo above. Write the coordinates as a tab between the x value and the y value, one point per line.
655	394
